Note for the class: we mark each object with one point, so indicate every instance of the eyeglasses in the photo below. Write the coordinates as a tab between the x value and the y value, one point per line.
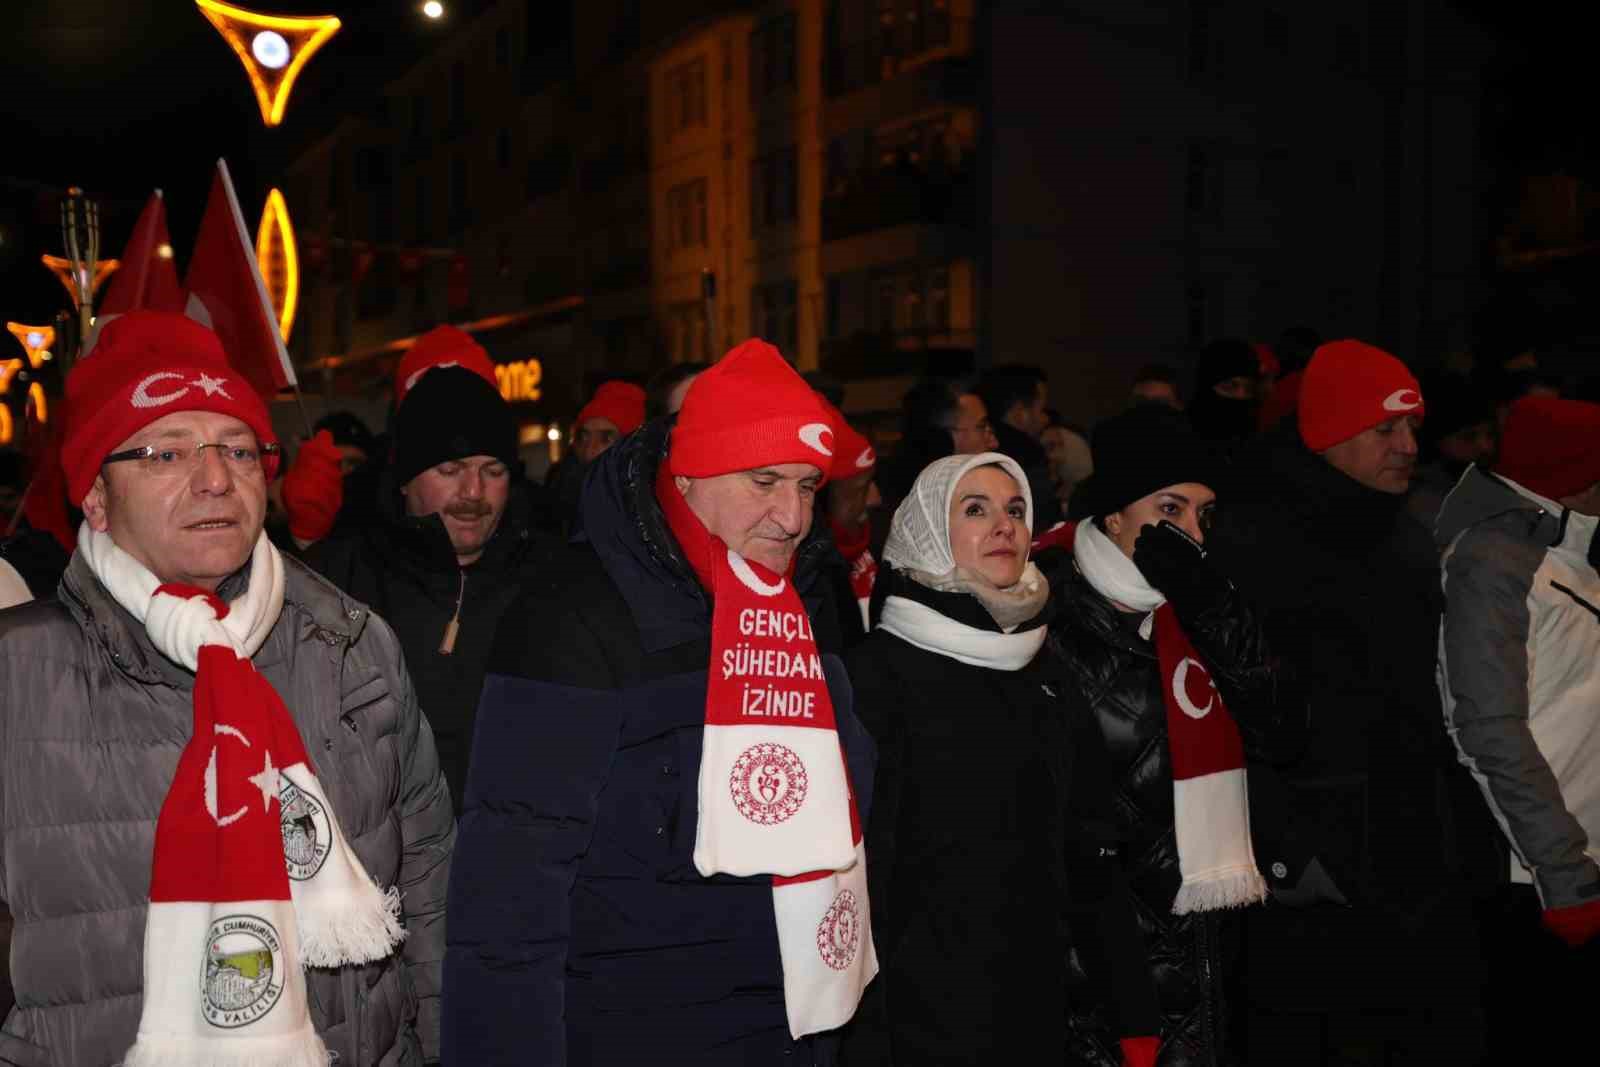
173	460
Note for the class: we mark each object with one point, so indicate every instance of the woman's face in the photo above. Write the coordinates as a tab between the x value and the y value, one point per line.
989	525
1187	506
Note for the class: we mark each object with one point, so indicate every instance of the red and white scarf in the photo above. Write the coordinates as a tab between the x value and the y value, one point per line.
1211	799
774	793
251	878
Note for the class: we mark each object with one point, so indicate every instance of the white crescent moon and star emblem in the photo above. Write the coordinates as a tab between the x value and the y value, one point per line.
142	397
752	582
266	780
866	459
1180	689
811	434
1402	400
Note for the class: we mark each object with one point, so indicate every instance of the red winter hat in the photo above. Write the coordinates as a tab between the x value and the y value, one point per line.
620	402
852	453
1551	445
1349	387
147	364
442	346
750	410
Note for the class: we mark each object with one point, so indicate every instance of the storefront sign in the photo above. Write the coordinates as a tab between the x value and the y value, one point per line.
520	381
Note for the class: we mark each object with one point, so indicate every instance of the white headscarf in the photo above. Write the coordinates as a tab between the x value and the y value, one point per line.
919	546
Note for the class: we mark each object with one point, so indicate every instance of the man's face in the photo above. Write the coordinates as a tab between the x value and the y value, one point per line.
189	516
1471	444
763	514
1382	458
469	495
850	499
594	437
972	432
1164	393
1030	417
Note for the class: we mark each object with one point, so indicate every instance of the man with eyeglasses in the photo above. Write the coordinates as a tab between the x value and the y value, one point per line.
179	630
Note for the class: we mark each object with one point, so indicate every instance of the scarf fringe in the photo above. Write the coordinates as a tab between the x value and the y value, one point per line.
1231	887
304	1049
356	927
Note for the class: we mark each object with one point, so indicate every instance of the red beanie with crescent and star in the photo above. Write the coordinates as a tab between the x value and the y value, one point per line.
750	410
1551	445
442	346
145	365
852	452
1350	387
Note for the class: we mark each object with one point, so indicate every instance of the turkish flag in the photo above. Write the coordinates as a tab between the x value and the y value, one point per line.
226	293
148	278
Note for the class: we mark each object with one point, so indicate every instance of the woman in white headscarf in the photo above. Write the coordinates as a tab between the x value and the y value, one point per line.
980	770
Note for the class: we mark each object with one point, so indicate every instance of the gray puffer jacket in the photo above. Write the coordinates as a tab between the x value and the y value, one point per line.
92	719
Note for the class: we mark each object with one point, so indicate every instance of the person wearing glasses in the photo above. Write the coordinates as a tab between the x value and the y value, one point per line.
168	451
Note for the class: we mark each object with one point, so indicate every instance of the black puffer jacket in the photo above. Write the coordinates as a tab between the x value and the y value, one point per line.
1116	671
405	568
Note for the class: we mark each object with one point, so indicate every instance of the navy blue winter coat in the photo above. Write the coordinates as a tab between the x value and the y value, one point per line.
579	930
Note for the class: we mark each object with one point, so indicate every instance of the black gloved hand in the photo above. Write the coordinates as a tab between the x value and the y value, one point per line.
1177	565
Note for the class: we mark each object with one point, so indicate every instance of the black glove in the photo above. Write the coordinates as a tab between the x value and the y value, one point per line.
1176	564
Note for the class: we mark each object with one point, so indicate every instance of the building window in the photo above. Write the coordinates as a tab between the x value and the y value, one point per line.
774	196
686	215
502	149
686	96
502	48
772	56
910	300
774	310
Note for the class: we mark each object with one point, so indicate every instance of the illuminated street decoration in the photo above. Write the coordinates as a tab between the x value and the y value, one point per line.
519	381
8	370
272	48
279	260
41	413
35	340
62	269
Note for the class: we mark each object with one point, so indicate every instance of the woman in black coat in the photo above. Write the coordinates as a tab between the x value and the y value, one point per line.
975	811
1151	497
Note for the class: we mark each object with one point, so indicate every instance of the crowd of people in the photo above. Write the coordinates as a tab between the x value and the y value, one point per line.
1261	727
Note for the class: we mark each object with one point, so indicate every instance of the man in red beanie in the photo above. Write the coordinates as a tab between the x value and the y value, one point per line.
658	822
1519	656
188	669
1375	960
615	411
442	346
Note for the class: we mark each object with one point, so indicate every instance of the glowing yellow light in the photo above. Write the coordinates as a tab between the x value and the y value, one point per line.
35	340
7	369
520	381
279	260
555	433
41	413
433	9
164	251
272	48
62	269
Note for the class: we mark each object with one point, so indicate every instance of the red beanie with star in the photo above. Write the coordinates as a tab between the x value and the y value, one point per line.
750	410
146	365
1348	388
442	346
621	403
852	453
1551	445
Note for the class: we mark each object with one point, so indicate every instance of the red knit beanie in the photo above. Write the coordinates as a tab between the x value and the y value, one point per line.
1350	387
442	346
620	402
1551	445
852	453
750	410
145	365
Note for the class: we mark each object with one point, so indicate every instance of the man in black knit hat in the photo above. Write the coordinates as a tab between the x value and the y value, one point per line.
451	546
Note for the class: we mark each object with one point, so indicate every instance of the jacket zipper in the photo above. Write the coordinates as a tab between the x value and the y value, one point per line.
447	644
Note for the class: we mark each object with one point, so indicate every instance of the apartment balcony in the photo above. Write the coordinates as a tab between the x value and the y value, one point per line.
897	196
886	56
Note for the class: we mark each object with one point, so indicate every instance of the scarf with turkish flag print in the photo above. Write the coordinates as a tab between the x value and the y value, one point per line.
251	878
774	794
1211	797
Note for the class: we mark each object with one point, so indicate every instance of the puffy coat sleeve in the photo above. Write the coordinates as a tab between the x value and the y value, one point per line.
428	830
1484	682
548	725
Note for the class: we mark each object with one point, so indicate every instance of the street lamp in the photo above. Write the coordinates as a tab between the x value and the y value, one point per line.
433	9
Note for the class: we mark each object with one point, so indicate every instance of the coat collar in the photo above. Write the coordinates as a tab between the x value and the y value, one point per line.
1480	496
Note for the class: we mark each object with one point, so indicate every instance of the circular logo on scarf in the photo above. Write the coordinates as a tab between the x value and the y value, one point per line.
244	971
768	783
306	833
839	933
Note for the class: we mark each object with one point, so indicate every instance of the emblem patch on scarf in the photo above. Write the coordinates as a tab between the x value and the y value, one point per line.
244	971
